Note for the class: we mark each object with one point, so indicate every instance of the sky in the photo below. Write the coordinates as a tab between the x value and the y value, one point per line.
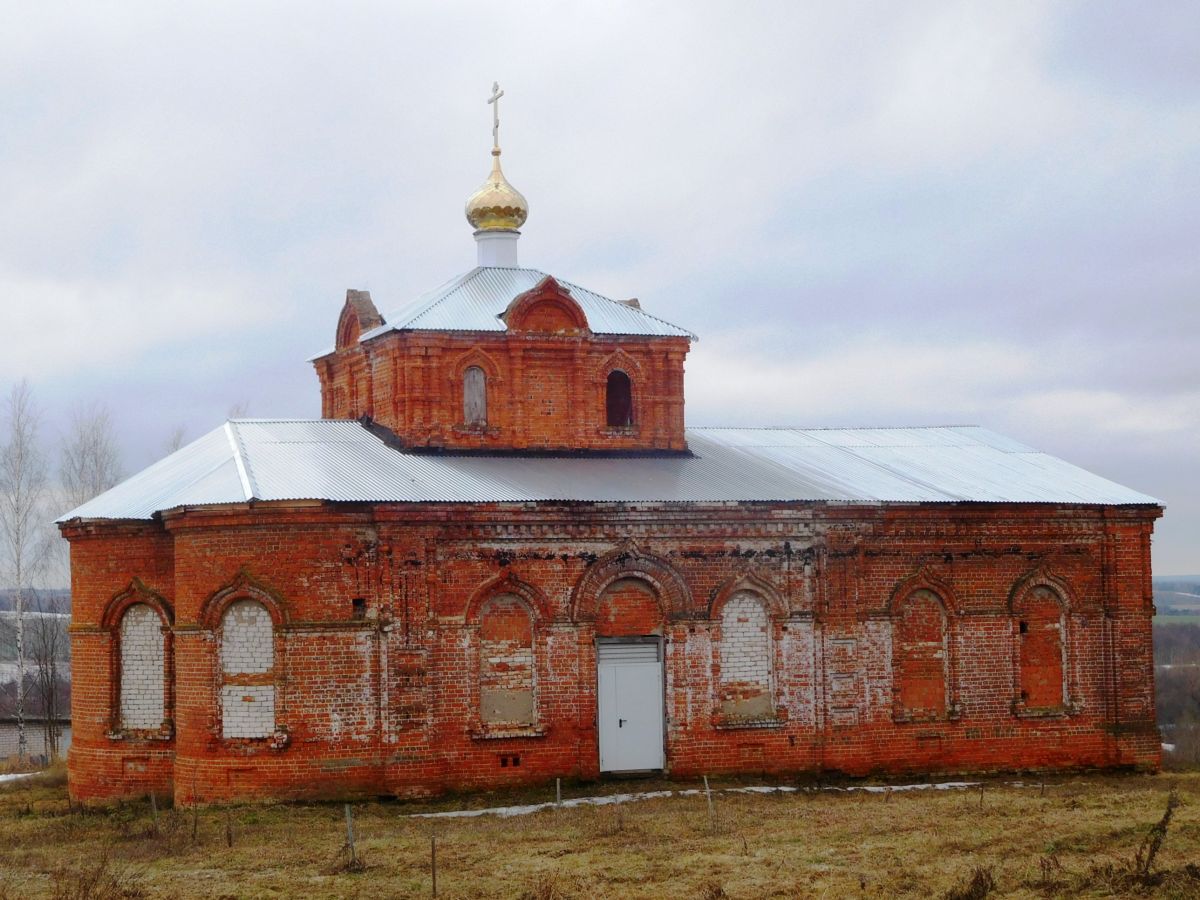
872	214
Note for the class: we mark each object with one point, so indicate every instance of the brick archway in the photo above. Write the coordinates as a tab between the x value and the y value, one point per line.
138	594
1041	577
924	579
753	583
507	583
242	587
628	562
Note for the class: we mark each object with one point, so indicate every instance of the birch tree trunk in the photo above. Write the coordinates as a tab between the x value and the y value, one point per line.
23	516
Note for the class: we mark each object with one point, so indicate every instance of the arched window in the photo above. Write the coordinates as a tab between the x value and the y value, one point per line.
1041	650
745	684
506	663
247	671
919	656
143	681
475	396
618	399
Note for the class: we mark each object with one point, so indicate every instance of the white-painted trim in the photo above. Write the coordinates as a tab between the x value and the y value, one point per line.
497	248
243	475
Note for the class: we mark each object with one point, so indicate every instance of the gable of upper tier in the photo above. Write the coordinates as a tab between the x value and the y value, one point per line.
478	300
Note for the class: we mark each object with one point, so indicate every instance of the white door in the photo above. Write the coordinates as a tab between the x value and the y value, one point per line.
630	705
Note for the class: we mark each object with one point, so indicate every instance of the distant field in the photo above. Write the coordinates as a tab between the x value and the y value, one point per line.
1077	837
1177	619
1176	599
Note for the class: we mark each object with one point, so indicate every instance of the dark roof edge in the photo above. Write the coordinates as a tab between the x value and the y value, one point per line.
397	443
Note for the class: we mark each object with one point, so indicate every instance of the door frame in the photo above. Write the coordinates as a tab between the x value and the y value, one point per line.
662	681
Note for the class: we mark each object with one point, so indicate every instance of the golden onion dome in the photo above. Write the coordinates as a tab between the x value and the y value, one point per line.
497	206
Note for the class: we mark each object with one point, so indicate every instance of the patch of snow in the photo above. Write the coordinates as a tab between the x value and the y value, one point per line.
609	799
1170	748
4	778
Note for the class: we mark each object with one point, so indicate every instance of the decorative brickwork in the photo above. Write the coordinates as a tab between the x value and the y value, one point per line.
546	382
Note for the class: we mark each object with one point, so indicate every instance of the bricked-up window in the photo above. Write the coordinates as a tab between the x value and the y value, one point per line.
745	685
506	662
618	399
1039	631
475	396
248	671
143	683
919	656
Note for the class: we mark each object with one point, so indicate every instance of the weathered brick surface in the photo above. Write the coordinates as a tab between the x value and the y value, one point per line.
865	639
545	378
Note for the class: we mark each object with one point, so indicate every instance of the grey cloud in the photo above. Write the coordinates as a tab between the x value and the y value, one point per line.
189	190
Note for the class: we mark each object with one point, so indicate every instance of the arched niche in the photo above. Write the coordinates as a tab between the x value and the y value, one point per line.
657	578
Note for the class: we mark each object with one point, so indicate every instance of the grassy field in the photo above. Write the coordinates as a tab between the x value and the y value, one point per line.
1178	619
1077	837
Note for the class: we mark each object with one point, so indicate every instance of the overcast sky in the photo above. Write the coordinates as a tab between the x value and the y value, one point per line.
872	214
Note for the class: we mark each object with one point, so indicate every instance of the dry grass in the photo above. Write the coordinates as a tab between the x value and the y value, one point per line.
1081	838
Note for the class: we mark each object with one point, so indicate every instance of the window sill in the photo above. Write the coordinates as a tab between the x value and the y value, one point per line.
166	733
619	431
478	430
1044	712
733	723
276	741
502	732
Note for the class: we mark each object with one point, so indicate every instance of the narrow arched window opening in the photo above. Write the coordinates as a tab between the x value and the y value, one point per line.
143	656
475	396
745	683
919	656
618	399
506	663
1041	652
247	671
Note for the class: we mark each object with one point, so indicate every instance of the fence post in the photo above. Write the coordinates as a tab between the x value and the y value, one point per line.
350	834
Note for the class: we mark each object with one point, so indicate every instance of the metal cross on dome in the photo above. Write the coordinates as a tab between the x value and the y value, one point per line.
494	100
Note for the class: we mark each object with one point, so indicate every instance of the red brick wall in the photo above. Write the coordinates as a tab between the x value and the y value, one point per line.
545	386
113	565
392	701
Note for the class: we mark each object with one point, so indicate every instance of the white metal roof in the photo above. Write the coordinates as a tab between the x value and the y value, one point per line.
474	301
341	461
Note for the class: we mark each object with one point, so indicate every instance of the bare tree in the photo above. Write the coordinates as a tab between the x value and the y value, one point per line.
91	463
25	544
8	649
50	650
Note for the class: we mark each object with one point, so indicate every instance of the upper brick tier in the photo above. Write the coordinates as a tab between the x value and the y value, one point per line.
510	359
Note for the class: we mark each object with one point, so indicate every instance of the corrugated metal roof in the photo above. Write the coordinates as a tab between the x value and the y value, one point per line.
474	301
342	461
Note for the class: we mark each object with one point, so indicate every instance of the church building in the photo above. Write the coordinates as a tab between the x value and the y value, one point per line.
500	557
